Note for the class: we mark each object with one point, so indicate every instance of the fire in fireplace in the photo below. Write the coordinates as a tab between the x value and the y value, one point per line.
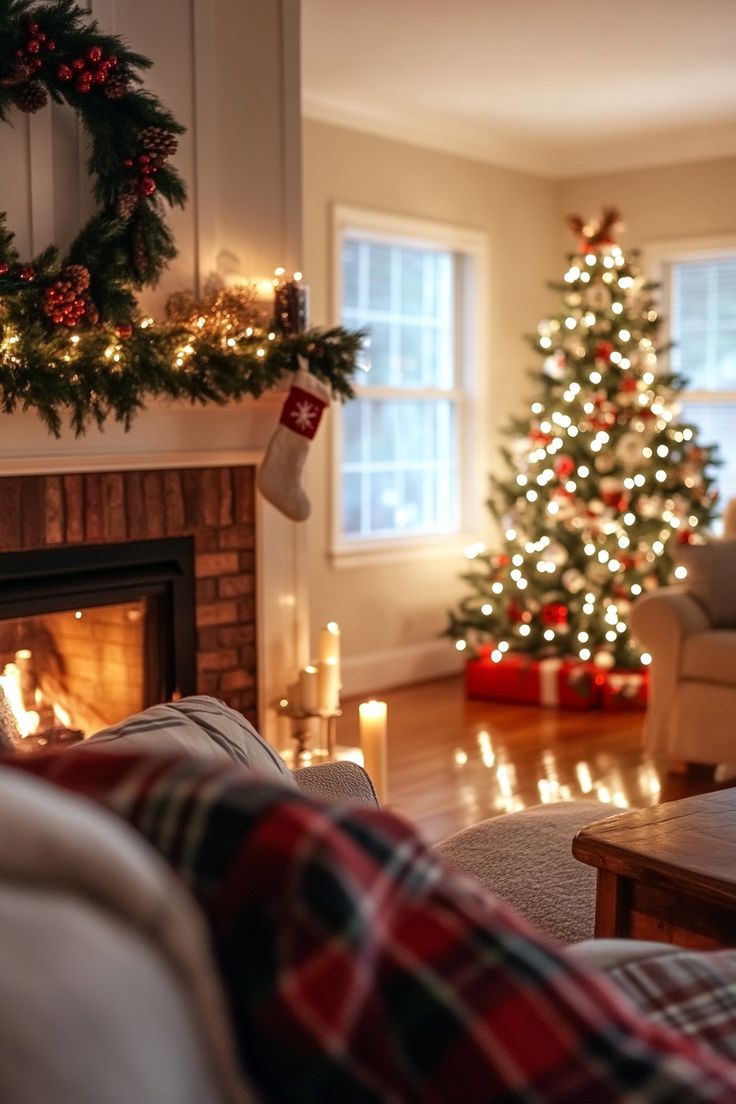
90	635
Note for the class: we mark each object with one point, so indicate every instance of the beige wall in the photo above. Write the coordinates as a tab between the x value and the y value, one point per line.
663	204
390	615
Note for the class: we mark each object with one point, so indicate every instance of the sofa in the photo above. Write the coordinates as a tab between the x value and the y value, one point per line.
690	632
110	984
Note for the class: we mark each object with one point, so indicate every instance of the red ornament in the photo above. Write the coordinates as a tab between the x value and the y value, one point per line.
513	610
684	536
124	330
603	350
564	467
3	268
554	613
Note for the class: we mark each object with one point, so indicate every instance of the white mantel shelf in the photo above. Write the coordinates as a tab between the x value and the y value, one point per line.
174	434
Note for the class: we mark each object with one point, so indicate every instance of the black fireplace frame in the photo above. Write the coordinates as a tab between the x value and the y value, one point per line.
49	580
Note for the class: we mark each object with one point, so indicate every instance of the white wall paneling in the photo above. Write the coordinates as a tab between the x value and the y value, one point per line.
229	72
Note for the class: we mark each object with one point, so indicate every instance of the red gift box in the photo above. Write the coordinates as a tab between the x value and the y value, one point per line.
566	683
625	691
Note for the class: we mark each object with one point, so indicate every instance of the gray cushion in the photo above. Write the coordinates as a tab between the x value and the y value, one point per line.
711	579
199	725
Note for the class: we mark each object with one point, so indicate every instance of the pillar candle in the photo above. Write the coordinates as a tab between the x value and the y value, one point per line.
329	646
328	686
308	689
372	716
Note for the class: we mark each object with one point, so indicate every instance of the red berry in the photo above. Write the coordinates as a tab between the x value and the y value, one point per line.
51	45
100	76
64	73
146	186
33	28
26	273
33	46
94	54
41	36
144	159
128	162
78	65
3	268
112	61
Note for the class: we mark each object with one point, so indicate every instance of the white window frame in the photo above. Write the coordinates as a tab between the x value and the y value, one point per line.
659	257
471	252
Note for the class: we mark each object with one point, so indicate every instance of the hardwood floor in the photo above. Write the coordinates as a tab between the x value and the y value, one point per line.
453	762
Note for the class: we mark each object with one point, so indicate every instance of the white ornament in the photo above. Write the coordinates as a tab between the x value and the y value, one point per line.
628	450
572	580
604	660
598	297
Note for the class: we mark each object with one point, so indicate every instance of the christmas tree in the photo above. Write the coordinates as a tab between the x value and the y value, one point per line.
603	480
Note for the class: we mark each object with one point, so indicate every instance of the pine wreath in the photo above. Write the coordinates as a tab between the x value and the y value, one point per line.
71	338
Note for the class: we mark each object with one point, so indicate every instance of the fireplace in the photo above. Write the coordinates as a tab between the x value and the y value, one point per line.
89	635
61	534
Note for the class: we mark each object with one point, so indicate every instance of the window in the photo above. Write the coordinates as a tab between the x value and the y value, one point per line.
400	457
702	309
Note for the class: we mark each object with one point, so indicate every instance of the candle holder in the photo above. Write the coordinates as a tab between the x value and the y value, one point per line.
301	731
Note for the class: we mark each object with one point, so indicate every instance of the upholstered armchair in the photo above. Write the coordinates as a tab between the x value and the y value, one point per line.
690	632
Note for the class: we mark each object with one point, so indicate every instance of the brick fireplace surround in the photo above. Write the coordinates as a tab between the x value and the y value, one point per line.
214	505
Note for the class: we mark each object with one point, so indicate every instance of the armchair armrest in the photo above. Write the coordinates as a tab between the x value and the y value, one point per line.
660	621
342	781
666	615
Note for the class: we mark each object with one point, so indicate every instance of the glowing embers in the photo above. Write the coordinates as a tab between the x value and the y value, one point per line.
30	719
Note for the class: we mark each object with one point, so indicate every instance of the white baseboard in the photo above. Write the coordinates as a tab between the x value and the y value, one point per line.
376	671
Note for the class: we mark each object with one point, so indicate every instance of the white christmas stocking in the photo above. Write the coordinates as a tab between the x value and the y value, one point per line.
279	476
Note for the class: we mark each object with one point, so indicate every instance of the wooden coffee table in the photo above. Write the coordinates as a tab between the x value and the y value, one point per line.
666	873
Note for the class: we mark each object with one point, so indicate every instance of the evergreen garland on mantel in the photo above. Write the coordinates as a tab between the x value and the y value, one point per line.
72	341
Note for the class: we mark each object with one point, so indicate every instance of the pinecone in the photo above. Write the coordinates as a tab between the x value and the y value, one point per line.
77	276
19	74
90	310
158	143
127	202
30	96
117	85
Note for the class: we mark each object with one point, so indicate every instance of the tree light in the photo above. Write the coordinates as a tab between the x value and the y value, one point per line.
460	645
549	634
487	609
680	572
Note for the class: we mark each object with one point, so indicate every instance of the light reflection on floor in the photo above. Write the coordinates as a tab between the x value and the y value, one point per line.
487	769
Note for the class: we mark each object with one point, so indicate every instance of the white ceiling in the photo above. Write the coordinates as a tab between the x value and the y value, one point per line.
555	87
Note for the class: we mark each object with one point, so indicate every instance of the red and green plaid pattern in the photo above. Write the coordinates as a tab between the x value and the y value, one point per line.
358	969
692	992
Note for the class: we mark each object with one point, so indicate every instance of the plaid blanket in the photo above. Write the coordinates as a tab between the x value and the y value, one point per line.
359	970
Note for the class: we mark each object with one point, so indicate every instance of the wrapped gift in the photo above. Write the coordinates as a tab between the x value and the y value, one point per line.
625	691
567	683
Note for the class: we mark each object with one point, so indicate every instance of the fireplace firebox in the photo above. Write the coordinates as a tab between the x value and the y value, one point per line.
89	635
